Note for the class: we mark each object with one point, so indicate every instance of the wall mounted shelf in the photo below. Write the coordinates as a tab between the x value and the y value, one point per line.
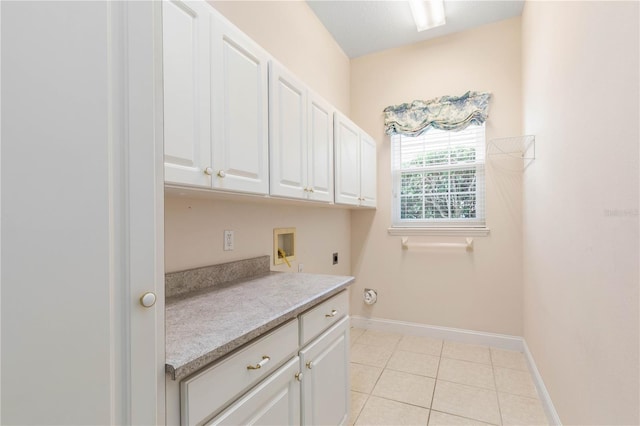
517	147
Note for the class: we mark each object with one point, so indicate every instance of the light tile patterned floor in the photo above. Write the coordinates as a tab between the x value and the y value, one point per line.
407	380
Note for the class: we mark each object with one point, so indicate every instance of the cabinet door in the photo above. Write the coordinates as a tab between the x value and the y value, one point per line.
347	161
287	134
320	143
368	171
325	385
275	401
239	89
187	139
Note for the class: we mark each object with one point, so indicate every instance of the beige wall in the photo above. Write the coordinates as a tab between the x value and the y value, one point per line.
580	63
194	230
479	291
194	226
293	34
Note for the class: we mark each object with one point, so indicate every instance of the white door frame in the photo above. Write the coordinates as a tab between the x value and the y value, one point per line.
138	211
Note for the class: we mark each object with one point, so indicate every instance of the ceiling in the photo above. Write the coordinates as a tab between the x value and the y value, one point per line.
364	26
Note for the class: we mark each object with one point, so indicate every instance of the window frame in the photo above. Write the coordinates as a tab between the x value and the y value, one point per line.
448	226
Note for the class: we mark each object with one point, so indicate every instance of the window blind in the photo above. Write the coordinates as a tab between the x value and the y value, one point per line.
439	178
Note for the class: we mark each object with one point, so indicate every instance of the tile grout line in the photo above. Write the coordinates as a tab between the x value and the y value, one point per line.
369	394
493	372
465	417
435	382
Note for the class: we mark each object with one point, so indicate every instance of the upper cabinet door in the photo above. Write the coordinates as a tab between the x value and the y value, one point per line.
287	134
239	90
187	144
347	161
368	171
320	145
355	163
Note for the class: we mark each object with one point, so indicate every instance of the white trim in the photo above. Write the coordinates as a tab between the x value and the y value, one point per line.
119	308
0	215
144	202
501	341
454	232
545	398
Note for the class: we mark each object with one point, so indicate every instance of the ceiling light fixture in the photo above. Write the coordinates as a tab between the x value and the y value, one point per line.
427	13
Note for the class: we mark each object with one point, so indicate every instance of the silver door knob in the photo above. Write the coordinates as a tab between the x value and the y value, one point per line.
310	365
148	299
208	171
221	173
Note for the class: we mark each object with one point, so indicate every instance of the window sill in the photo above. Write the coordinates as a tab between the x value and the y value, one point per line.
454	232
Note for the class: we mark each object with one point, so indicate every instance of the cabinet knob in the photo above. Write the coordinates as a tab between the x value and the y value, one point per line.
306	189
311	189
221	173
265	359
310	365
299	377
208	171
148	299
332	314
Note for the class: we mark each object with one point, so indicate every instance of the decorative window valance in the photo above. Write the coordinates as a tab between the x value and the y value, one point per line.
452	113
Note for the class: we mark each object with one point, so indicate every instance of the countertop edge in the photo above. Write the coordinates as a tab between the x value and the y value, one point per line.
183	371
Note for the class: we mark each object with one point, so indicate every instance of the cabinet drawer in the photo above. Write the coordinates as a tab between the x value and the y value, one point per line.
207	392
275	401
318	319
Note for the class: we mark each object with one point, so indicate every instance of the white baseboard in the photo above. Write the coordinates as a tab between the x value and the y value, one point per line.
545	398
501	341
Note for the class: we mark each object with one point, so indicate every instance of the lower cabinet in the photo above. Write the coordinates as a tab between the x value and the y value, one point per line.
295	374
275	401
325	385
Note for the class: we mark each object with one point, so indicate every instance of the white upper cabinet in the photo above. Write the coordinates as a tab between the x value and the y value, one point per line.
234	120
215	101
300	139
368	172
320	144
355	163
287	133
187	138
239	92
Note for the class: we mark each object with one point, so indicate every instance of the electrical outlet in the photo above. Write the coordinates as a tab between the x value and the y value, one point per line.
300	267
228	240
335	258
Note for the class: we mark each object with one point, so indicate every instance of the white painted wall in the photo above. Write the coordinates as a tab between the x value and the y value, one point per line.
479	291
581	100
194	226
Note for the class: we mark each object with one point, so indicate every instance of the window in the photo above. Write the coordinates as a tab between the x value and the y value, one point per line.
439	178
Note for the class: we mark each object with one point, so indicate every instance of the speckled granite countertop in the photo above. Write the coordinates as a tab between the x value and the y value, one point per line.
205	325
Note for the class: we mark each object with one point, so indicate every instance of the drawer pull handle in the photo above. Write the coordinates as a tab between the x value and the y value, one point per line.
265	359
310	365
299	377
332	314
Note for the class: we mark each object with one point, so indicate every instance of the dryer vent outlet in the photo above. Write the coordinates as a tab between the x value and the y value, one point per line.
370	296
